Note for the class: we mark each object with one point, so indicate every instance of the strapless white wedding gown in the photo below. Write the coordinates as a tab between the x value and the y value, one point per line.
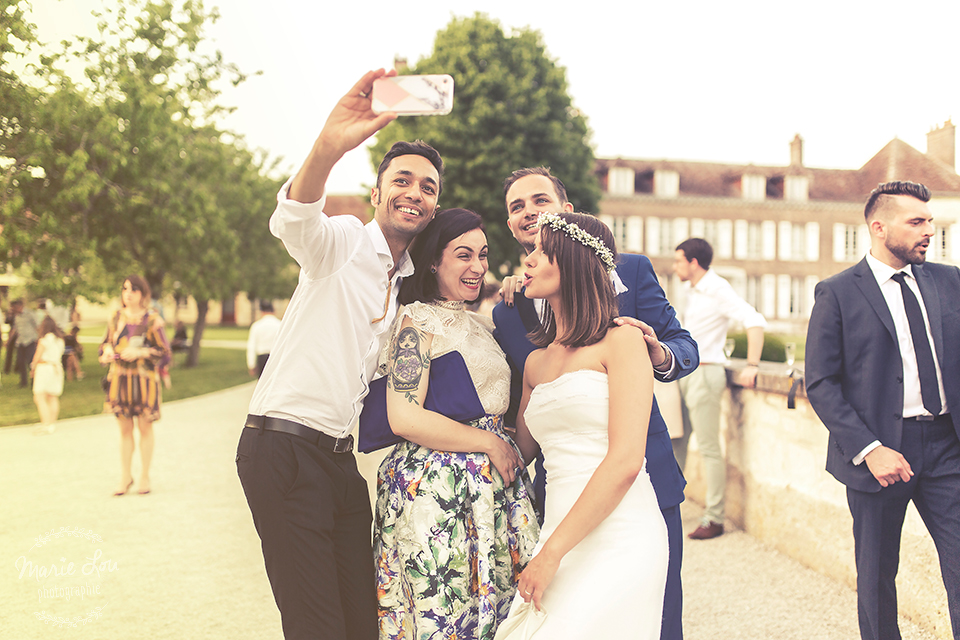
610	586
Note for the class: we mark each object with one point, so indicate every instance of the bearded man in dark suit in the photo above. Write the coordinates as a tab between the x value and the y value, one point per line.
883	374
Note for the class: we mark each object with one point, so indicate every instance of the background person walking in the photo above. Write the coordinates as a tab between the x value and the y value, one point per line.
46	369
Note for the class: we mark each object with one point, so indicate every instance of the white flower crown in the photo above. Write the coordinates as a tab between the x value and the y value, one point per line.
555	222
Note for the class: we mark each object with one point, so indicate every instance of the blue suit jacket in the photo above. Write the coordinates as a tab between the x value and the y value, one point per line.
853	370
644	301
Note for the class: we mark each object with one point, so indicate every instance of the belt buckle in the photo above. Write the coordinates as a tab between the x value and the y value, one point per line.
925	418
343	445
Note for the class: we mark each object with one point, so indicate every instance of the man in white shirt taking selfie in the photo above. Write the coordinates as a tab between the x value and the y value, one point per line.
309	502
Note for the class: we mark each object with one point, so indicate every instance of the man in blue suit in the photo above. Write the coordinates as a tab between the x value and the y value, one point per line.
672	351
883	374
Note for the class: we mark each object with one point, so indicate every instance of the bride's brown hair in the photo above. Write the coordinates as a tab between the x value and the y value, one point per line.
587	297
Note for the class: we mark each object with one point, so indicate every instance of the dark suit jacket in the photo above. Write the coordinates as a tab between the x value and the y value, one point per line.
644	301
854	374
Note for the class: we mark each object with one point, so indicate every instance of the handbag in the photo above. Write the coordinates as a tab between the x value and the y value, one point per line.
451	393
522	623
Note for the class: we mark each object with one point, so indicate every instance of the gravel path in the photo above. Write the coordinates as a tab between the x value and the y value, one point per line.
184	562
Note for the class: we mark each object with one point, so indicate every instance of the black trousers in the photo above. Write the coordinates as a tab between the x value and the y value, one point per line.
24	359
312	511
933	451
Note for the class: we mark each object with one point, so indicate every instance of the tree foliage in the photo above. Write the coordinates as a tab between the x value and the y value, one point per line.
511	110
126	170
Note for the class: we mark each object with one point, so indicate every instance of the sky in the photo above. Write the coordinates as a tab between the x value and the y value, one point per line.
726	81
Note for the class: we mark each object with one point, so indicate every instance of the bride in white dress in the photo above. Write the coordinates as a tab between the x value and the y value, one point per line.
600	567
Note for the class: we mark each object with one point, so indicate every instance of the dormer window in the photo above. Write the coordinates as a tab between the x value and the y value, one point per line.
797	188
753	187
666	183
620	181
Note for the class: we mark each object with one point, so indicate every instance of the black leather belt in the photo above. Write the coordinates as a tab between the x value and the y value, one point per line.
337	445
942	416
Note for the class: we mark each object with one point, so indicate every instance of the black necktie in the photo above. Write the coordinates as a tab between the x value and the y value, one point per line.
918	330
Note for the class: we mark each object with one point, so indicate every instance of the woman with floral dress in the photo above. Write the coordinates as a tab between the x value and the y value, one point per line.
455	524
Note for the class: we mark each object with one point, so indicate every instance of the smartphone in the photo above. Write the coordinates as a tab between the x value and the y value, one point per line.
428	95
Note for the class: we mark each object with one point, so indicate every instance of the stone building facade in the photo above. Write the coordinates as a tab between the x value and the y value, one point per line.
776	230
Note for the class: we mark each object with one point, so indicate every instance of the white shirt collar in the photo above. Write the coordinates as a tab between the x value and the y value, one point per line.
618	285
883	272
405	268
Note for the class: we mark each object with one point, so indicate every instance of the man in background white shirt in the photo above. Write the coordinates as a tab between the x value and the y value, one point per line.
309	502
711	306
263	334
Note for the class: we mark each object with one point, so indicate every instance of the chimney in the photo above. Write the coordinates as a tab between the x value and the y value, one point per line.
796	151
942	144
400	64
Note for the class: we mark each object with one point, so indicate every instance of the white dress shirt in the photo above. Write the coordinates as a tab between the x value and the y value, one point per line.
263	335
893	294
327	347
712	305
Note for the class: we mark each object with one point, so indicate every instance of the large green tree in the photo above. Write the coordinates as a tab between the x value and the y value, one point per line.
126	170
511	110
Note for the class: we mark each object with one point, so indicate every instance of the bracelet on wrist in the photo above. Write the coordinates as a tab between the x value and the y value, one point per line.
753	364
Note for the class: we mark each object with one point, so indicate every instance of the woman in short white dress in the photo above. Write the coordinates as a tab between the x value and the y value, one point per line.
47	372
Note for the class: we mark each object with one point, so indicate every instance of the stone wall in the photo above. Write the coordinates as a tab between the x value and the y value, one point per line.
779	492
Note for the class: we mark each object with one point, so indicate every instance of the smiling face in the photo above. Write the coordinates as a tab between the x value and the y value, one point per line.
407	197
526	198
462	265
541	276
902	230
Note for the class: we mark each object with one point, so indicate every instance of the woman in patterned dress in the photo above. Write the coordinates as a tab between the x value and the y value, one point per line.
135	347
455	524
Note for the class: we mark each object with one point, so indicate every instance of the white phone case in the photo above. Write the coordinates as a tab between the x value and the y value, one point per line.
428	95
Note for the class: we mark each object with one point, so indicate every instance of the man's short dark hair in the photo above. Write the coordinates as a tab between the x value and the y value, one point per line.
415	148
266	306
697	248
536	171
878	199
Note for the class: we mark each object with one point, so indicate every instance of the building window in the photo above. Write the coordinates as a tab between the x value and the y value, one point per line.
940	243
666	245
768	295
634	234
620	181
619	228
666	183
791	296
797	188
753	293
723	248
753	187
850	242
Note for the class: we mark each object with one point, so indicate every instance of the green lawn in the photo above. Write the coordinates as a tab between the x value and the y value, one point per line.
218	369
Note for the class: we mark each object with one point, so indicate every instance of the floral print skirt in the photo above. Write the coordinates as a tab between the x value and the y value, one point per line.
450	541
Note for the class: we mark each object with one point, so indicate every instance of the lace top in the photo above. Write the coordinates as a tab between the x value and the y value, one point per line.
471	335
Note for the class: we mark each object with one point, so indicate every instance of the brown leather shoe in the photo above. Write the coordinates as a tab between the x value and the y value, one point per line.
707	531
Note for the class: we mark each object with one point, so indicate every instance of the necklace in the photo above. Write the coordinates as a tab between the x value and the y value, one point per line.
452	305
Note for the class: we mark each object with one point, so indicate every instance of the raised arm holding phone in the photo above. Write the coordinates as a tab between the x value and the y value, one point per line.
308	500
